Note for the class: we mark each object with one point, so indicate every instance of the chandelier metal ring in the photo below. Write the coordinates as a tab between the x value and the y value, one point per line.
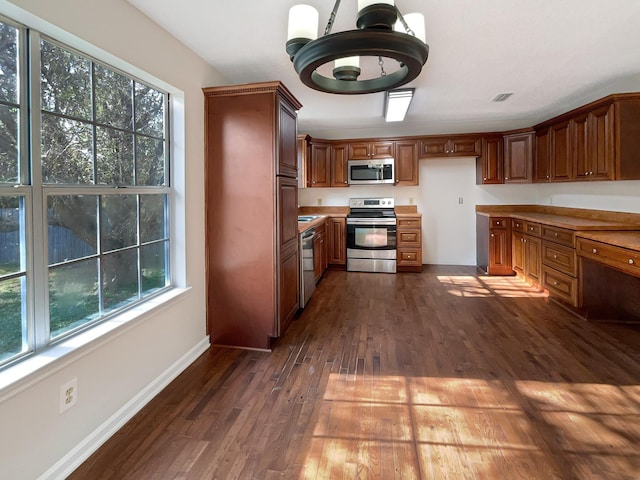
409	51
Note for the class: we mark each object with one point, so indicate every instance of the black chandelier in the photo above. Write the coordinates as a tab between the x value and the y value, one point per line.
382	32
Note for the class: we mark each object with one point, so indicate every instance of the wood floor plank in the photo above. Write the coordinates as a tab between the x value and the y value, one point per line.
443	374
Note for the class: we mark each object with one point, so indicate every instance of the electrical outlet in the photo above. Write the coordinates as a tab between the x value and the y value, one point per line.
319	201
410	200
68	394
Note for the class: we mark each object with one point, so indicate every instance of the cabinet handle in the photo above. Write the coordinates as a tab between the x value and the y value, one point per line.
555	234
345	181
492	235
506	178
555	257
555	282
525	240
517	224
595	250
485	179
531	229
631	262
547	176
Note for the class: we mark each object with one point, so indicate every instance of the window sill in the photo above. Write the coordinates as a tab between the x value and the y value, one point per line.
27	372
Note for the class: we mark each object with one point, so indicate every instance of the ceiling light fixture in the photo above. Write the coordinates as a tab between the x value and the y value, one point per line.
396	104
383	32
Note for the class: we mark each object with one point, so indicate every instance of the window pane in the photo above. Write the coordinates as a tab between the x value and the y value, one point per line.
8	63
149	111
65	81
149	161
114	159
154	266
12	312
113	98
152	218
73	295
119	224
66	151
119	279
11	235
73	231
8	144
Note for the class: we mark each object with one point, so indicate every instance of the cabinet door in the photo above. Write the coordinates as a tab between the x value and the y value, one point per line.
541	164
339	166
518	150
491	161
359	151
560	152
433	147
288	261
320	165
464	147
381	150
601	143
287	164
499	251
580	146
406	163
518	252
533	258
337	237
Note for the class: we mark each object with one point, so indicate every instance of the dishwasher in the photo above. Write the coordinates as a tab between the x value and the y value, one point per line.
307	271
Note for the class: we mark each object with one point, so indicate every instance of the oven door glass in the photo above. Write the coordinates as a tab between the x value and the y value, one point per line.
371	237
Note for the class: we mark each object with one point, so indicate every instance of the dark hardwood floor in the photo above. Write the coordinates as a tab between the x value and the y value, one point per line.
438	375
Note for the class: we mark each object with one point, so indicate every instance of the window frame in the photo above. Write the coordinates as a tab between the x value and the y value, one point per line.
36	194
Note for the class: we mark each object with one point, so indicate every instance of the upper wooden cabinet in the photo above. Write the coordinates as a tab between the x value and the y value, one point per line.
541	162
370	150
450	146
319	164
518	157
406	163
287	140
599	141
339	174
490	164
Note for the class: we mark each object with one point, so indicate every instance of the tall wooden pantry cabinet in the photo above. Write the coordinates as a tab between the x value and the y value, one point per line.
252	256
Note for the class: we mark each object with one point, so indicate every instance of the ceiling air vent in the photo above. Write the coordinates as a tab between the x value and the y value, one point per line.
501	97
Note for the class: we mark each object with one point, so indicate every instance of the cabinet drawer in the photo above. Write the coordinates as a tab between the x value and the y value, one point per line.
409	238
559	235
409	258
560	285
621	258
533	229
518	225
559	257
409	222
498	222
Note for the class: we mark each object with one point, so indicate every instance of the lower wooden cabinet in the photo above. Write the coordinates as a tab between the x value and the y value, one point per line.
320	253
409	243
337	241
527	250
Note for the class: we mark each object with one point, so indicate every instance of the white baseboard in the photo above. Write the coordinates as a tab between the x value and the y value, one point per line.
74	458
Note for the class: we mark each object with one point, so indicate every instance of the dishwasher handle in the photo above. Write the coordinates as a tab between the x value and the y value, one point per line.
308	235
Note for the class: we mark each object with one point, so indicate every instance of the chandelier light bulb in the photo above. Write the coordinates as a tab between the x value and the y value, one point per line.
303	22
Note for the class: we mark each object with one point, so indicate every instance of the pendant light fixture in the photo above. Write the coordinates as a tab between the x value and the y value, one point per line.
382	32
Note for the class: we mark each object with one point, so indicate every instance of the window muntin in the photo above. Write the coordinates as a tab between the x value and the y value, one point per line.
101	188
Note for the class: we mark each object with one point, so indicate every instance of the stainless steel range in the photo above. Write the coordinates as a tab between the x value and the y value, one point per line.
371	235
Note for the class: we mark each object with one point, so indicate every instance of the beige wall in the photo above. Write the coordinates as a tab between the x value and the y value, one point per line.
119	372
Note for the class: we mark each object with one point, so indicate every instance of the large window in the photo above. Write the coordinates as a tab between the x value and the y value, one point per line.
84	192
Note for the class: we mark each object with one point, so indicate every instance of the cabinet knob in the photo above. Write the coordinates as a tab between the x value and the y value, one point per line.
492	235
555	257
525	240
555	234
345	181
555	282
517	224
547	176
313	181
506	178
631	262
485	179
531	228
595	250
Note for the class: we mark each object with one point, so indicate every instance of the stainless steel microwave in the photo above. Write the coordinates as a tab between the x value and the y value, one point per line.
368	172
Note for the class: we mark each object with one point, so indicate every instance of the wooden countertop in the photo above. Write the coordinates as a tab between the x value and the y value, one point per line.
304	226
630	240
569	218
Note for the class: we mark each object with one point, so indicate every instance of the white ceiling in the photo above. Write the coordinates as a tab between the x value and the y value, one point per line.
553	55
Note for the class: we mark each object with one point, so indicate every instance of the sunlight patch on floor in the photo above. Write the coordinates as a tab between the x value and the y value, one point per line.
489	286
422	427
